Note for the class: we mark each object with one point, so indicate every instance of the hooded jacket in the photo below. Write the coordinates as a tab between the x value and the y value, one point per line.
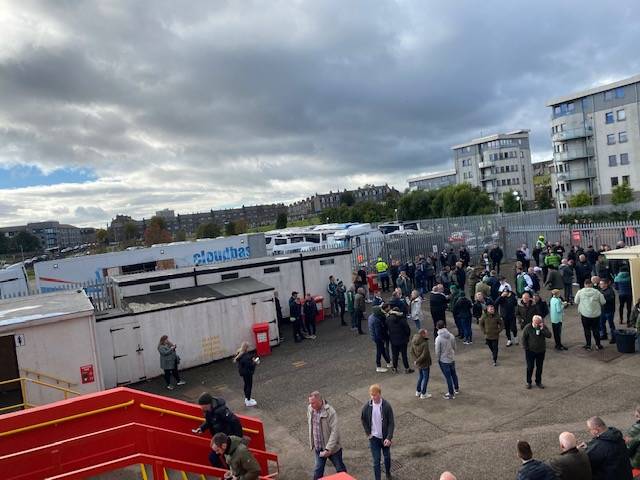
590	302
507	306
378	326
608	456
462	308
399	331
240	460
420	351
623	283
445	346
220	419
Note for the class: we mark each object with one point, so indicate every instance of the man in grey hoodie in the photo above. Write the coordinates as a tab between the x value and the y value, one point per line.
446	356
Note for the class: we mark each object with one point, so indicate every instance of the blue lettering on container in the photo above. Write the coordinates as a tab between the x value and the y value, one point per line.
216	256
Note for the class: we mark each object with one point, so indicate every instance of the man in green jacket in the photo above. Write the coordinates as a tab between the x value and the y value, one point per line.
633	441
534	338
491	325
552	259
242	464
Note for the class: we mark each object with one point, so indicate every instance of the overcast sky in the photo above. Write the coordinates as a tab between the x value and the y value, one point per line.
134	106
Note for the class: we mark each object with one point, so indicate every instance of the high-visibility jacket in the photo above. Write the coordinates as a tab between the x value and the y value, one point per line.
382	266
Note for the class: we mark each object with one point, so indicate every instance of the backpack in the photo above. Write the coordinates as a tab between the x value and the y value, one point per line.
521	283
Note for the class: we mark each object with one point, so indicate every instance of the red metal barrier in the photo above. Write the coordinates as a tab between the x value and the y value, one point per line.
103	427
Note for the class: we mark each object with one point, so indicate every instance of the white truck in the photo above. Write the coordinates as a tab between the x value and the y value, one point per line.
13	281
63	273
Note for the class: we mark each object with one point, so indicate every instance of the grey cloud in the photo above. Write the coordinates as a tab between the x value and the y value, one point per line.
235	101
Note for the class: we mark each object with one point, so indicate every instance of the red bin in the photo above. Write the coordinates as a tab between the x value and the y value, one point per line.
261	336
319	299
372	282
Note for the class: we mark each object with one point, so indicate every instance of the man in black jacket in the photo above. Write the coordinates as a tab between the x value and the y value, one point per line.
607	452
295	316
378	424
217	418
608	311
508	302
438	305
496	254
399	335
532	469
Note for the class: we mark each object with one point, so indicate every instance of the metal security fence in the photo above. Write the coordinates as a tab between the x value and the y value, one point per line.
101	293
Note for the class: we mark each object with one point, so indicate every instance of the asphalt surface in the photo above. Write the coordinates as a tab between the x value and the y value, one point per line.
474	435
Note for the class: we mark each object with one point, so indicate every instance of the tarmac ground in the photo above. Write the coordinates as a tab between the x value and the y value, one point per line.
474	435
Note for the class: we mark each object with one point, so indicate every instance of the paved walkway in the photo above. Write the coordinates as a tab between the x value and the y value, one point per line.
474	435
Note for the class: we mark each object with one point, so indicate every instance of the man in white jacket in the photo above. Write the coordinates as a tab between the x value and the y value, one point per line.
446	356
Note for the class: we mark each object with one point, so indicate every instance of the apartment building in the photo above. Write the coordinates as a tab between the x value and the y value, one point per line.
499	164
433	181
596	141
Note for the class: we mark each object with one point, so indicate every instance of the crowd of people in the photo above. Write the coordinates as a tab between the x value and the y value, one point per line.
478	294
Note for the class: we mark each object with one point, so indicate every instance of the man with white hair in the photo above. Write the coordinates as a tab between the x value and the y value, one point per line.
571	464
447	476
534	337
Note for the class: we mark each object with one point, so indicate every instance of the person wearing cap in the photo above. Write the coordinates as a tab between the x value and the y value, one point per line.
242	464
217	418
556	312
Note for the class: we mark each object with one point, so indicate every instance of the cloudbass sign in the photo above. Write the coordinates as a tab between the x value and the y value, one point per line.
214	256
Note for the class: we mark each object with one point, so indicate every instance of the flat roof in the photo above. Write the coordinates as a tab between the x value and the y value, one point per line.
593	91
432	175
490	138
624	253
205	293
232	265
43	308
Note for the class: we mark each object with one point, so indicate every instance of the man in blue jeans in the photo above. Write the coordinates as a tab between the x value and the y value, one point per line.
378	424
446	355
324	436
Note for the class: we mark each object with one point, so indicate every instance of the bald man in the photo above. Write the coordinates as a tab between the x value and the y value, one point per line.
571	464
447	476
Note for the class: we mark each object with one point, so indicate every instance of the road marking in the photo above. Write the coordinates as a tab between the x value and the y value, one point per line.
299	364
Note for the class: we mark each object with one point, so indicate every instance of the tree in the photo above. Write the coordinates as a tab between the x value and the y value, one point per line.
130	231
208	230
347	198
621	194
241	226
281	220
156	232
544	200
4	244
102	236
582	199
509	203
180	236
229	229
25	242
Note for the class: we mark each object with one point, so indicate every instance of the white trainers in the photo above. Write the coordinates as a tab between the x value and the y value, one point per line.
426	395
417	394
250	403
389	365
170	387
381	369
509	343
181	382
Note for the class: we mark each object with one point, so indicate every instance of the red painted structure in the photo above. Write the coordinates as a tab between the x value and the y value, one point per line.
104	431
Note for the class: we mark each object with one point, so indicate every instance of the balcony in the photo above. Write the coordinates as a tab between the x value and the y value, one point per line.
489	188
576	174
485	164
580	132
582	151
487	177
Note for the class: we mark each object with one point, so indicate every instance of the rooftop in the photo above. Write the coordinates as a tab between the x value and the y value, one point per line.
495	136
593	91
432	175
48	307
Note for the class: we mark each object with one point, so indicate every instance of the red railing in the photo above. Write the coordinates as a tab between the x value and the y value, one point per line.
100	428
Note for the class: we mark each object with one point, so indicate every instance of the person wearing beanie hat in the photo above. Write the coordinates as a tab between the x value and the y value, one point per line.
217	418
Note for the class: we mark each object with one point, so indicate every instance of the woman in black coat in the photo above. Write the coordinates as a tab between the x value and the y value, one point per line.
399	335
247	362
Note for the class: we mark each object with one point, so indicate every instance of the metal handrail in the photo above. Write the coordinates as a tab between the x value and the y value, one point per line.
67	419
46	375
23	390
185	415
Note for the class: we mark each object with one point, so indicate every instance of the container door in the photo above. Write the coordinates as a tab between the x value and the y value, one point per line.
128	353
264	311
10	393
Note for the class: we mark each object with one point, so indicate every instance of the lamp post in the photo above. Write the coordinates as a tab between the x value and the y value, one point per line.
518	197
395	211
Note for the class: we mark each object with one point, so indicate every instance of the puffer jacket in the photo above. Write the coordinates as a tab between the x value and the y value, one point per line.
590	302
378	326
491	325
609	457
420	351
399	331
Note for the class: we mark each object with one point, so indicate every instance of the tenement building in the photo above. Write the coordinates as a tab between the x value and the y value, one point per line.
596	141
499	164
